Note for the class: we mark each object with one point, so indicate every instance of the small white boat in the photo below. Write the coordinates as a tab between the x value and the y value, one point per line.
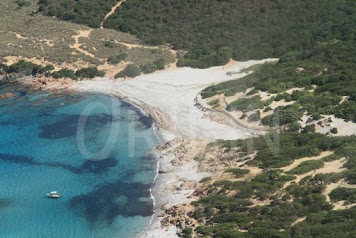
54	194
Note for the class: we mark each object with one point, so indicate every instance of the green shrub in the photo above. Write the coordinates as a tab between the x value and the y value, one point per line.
252	92
283	115
267	109
23	67
307	166
294	126
90	72
64	73
23	3
348	194
334	130
118	58
90	13
160	63
254	117
187	232
109	44
247	104
205	179
152	67
45	69
130	70
238	173
309	128
331	157
213	102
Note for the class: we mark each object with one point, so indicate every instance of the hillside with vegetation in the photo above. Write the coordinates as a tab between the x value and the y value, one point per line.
213	31
43	40
280	185
309	83
289	183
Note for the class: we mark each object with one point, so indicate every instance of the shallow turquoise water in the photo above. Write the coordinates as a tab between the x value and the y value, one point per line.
93	149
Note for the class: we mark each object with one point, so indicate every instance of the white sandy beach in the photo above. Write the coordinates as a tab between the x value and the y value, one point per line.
168	96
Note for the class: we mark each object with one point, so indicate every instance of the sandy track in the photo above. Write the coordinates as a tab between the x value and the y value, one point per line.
76	45
112	11
335	166
299	161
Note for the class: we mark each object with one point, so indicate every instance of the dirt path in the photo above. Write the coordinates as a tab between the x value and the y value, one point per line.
335	166
128	45
76	45
341	183
299	161
299	220
112	11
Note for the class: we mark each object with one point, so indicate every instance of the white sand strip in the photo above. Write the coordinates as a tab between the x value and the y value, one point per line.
169	97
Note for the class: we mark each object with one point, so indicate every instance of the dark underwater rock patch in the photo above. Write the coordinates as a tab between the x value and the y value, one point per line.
132	107
22	93
18	159
101	204
67	126
98	166
147	121
89	166
4	203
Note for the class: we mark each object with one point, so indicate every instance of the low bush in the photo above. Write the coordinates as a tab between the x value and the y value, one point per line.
130	70
90	72
254	117
307	166
23	67
118	58
334	130
64	73
238	173
205	179
347	194
213	102
247	104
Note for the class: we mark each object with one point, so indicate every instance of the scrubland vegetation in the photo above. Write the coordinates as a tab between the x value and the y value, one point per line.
90	13
315	44
228	209
23	68
29	35
326	73
213	31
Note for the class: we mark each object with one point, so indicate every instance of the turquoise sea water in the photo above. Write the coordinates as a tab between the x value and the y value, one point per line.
93	149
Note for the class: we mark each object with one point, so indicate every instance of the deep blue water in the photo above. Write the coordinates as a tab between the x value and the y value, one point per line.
93	149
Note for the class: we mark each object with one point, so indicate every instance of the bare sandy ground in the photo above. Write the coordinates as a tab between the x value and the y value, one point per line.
299	161
169	97
344	128
76	45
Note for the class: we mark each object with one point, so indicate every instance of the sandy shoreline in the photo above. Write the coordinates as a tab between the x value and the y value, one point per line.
168	97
